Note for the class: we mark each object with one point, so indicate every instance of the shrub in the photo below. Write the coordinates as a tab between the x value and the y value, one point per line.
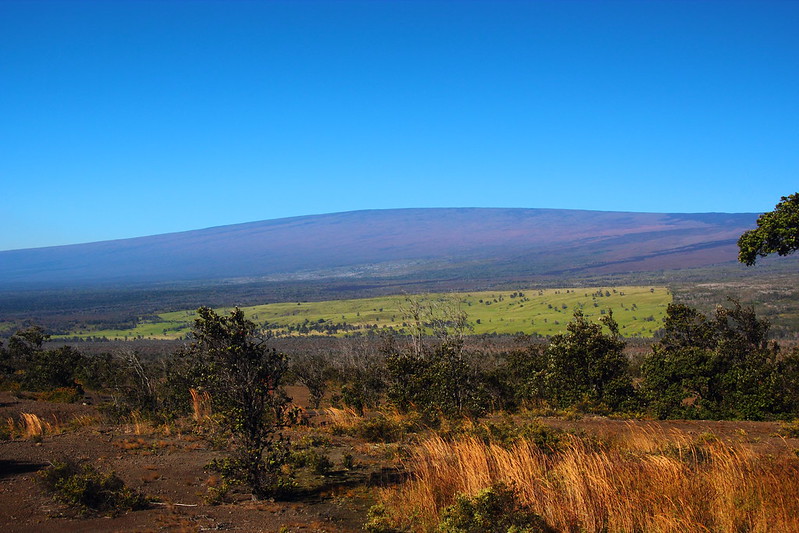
47	369
718	367
790	429
379	520
88	490
363	388
233	470
313	371
506	432
61	395
495	509
243	377
382	429
432	375
587	364
318	463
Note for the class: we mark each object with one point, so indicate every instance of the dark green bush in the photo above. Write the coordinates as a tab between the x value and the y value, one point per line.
383	429
495	509
88	490
233	469
507	432
720	366
438	381
318	463
587	365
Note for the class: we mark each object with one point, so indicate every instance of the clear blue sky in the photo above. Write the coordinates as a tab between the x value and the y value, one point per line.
122	118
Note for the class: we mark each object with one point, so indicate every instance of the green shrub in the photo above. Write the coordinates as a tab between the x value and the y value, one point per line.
48	369
318	463
507	432
233	473
587	366
217	494
547	438
62	395
718	366
314	440
495	509
243	375
378	520
790	429
88	490
381	429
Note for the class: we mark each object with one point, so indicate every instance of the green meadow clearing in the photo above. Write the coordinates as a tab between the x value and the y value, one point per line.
638	310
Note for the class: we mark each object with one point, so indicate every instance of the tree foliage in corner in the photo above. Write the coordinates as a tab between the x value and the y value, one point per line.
244	376
777	232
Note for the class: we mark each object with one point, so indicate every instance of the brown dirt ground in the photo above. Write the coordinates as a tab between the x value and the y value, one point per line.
170	466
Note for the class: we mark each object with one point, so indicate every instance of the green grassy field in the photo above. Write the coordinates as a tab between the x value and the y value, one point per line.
638	310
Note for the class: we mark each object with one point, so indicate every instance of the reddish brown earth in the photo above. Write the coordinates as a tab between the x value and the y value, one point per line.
169	465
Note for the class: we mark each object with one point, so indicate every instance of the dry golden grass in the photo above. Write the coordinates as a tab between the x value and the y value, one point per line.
647	480
31	426
343	418
140	425
82	421
131	444
200	405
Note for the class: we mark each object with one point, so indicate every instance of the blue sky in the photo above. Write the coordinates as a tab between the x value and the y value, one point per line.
122	119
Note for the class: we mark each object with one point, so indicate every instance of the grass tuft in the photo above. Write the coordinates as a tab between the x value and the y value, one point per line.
200	405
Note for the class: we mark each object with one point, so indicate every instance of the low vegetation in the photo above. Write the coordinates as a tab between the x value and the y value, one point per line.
638	311
455	431
88	490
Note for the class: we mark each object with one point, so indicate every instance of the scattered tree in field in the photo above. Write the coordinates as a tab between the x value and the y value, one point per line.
243	376
314	372
777	232
25	342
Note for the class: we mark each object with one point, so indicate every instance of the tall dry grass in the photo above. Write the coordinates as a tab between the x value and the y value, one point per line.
342	418
200	404
32	426
650	481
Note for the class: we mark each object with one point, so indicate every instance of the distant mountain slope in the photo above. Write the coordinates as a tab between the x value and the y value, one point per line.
399	242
